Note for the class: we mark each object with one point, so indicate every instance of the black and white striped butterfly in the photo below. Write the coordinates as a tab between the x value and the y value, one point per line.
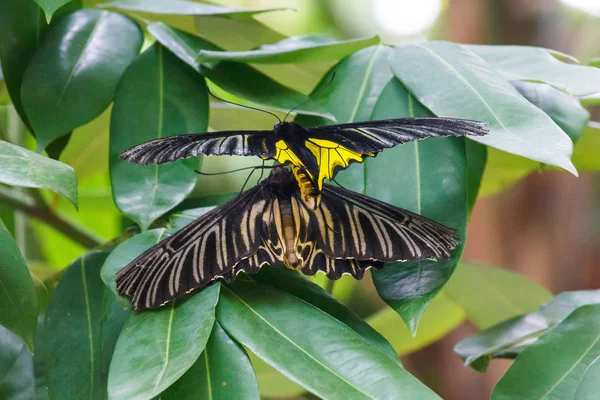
269	224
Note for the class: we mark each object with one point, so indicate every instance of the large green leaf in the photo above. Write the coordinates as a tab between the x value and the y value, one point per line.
271	383
126	252
73	332
490	295
182	7
21	27
428	177
21	167
158	96
19	306
156	348
238	79
535	64
440	318
73	76
310	347
554	365
477	156
16	368
293	283
51	6
509	338
297	49
223	371
585	154
452	81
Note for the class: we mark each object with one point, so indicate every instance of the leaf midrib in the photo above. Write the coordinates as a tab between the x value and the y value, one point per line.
297	346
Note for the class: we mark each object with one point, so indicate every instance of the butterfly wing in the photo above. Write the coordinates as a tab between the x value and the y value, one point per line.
203	251
355	226
337	146
240	143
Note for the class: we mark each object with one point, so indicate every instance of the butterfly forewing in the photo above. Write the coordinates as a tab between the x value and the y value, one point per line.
240	143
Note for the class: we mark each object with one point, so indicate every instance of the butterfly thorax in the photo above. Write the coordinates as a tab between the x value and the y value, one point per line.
292	148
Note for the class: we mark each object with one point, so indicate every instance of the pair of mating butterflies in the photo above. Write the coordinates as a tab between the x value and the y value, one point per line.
291	217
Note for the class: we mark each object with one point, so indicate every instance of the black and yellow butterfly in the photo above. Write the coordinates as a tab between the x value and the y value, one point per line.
270	224
318	152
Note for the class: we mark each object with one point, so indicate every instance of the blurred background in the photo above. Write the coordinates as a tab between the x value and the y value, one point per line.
545	226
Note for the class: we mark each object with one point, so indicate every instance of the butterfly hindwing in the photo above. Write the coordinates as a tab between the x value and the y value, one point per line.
198	254
352	225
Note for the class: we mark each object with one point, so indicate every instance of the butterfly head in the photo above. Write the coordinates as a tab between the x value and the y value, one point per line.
287	129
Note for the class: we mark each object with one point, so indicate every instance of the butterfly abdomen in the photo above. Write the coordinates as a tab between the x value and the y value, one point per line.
291	257
309	193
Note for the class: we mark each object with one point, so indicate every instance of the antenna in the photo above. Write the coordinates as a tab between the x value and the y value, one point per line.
241	105
318	92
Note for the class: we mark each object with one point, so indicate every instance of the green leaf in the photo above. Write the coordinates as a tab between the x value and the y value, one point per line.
293	283
509	338
478	350
182	7
440	318
565	110
19	306
21	167
51	6
73	327
297	49
126	252
430	178
16	368
310	347
61	94
590	382
452	81
585	154
490	295
477	156
536	64
238	79
158	96
156	348
21	26
223	371
557	360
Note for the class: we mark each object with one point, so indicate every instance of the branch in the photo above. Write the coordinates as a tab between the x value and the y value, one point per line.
40	211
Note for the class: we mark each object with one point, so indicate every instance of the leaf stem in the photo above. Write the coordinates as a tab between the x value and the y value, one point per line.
35	207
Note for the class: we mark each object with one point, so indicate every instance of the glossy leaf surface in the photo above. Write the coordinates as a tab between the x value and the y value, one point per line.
223	371
169	98
21	27
293	283
297	49
16	368
475	91
21	167
303	343
238	79
51	6
72	78
556	362
156	348
405	177
19	305
182	7
73	327
589	386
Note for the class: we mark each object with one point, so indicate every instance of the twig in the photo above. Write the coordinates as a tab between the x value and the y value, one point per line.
36	208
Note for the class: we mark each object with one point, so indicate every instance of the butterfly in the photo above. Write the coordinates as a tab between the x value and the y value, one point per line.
316	153
270	224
